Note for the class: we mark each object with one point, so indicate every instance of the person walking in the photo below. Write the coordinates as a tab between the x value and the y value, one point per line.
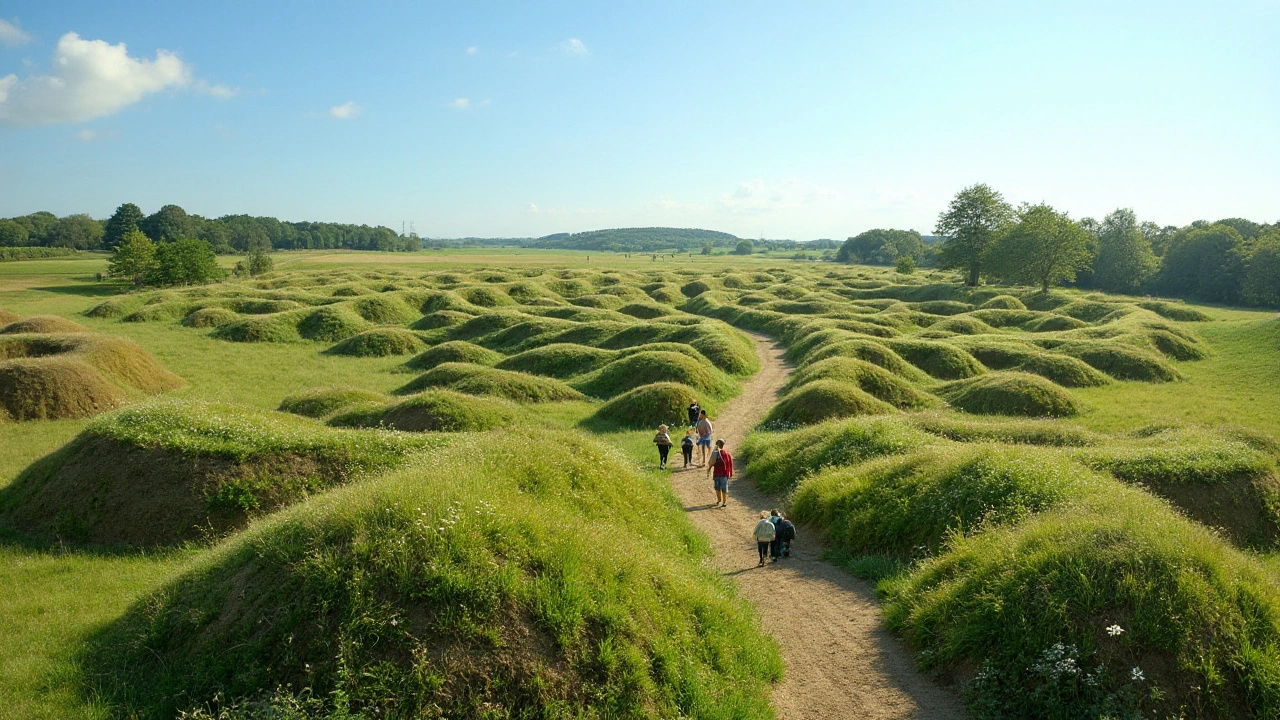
786	533
686	447
704	429
720	471
764	533
663	441
694	411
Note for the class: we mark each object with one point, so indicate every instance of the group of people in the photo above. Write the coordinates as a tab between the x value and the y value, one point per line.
774	532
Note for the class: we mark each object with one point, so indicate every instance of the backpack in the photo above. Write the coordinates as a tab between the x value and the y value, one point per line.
786	531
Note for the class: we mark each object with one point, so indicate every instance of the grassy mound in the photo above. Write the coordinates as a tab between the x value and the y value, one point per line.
48	377
1022	431
1121	361
210	317
557	360
1003	302
7	317
384	310
875	380
434	411
484	297
1054	323
440	319
115	308
646	368
940	360
645	311
780	460
266	328
649	406
907	506
1175	346
1061	369
43	324
332	323
962	325
454	351
379	342
416	595
322	402
870	351
1010	393
176	471
1174	311
822	400
482	380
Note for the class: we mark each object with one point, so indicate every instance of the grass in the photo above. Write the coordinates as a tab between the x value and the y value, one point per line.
645	368
824	399
481	380
648	406
431	411
379	342
1010	393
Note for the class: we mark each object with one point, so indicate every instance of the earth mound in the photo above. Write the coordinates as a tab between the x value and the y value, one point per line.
43	324
822	400
454	351
379	342
648	367
434	411
322	402
1011	393
481	380
649	406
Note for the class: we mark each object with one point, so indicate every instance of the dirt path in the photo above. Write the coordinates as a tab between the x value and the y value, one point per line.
840	662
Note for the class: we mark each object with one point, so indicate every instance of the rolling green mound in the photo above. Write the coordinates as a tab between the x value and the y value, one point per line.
649	406
331	324
323	402
210	317
1121	361
873	379
432	411
282	328
644	368
481	380
454	351
1010	393
379	342
557	360
417	595
176	471
824	399
940	360
42	324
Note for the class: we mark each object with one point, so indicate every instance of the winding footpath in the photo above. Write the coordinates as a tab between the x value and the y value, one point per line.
840	661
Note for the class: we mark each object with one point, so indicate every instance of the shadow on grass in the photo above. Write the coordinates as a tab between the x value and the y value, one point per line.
88	289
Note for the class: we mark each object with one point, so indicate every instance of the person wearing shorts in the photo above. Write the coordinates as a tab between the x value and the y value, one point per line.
720	471
703	428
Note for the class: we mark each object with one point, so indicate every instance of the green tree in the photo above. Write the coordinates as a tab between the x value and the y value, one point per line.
38	225
881	247
168	223
122	221
79	232
1044	247
134	258
1262	278
184	262
970	224
1125	260
745	247
905	265
1205	262
256	263
13	233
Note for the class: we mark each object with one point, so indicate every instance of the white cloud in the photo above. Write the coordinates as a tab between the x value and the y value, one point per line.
460	104
573	46
345	111
90	79
756	196
473	50
11	35
91	135
221	92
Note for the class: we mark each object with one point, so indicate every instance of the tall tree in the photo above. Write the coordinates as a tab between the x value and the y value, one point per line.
13	233
134	258
184	262
1262	278
1205	262
122	221
38	225
970	224
79	232
1125	260
881	247
1044	247
168	223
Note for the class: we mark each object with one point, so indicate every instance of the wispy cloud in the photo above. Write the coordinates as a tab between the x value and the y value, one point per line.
573	47
346	111
757	196
473	50
221	92
91	135
467	103
90	79
11	35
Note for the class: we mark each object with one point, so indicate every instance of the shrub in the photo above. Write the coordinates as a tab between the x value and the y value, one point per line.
481	380
824	399
649	406
875	380
558	360
322	402
646	368
434	411
379	342
454	351
1010	393
331	323
940	360
1120	361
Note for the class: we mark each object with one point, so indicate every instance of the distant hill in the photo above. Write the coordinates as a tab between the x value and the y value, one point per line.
650	239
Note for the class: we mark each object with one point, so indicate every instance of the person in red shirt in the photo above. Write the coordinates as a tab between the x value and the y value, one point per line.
720	469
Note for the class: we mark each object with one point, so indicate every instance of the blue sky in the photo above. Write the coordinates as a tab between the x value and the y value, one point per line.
800	120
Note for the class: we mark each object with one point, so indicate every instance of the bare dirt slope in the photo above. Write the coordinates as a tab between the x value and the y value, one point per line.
840	661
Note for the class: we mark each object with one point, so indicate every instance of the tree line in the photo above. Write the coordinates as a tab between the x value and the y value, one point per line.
1234	261
225	235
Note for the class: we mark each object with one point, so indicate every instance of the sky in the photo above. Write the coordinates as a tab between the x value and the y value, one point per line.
781	120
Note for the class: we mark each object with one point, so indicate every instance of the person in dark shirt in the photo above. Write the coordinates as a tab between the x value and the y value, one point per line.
694	411
663	441
686	447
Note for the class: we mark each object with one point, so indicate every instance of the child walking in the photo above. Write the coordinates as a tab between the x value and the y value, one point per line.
764	533
663	441
686	447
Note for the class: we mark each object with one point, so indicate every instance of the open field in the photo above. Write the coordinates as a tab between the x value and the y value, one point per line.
465	429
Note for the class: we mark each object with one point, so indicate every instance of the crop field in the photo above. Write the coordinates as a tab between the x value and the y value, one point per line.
420	485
